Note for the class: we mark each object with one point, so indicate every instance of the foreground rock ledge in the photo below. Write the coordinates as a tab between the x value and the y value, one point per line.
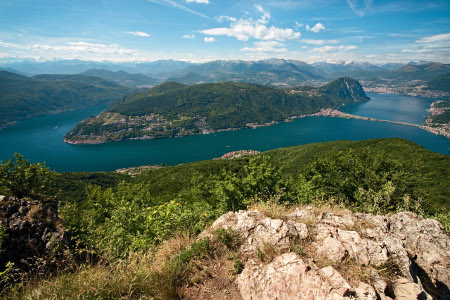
344	255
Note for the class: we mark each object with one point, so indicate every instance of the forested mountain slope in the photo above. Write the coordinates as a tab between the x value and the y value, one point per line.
23	96
174	109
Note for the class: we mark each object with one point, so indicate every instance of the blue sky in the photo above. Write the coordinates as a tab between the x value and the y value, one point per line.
203	30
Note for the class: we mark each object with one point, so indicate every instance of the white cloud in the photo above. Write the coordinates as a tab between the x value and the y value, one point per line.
243	29
316	28
352	5
304	47
139	33
189	36
78	47
70	50
266	47
298	25
318	42
429	49
329	49
174	4
198	1
225	18
438	38
265	14
209	40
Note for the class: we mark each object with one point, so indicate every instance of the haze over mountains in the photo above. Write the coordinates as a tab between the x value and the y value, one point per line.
269	71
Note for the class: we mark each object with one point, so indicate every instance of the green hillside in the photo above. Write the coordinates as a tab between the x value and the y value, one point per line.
441	83
122	77
22	97
173	109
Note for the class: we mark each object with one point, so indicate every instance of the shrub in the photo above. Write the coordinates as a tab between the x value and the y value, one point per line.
21	179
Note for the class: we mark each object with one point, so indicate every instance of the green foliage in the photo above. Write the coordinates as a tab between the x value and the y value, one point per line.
231	239
117	221
238	266
370	182
21	179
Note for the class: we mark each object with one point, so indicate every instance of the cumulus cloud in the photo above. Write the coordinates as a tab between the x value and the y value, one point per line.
243	29
318	42
316	28
198	1
189	36
139	33
209	39
266	47
330	49
438	38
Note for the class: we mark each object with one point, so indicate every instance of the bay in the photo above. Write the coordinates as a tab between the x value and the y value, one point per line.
41	139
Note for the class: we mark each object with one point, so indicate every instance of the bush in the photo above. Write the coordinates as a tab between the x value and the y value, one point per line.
21	179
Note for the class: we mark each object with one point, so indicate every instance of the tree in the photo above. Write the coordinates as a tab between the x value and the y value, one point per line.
21	179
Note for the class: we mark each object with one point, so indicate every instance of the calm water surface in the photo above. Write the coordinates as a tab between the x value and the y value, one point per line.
41	139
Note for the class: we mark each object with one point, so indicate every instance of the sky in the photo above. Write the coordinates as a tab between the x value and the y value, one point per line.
204	30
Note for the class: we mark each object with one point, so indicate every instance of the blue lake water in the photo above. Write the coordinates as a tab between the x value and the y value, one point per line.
41	139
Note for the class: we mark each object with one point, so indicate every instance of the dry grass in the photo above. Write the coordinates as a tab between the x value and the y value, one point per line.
177	263
352	271
131	279
35	213
361	226
171	247
267	252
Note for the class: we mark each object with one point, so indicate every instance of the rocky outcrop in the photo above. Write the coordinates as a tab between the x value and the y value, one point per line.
35	236
337	255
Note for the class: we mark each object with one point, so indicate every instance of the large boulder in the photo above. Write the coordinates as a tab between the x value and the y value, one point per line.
345	255
35	236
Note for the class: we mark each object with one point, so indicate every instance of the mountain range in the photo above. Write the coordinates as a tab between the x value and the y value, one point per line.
277	72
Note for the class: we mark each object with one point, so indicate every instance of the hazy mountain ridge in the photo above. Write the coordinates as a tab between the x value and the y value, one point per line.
123	78
269	71
22	97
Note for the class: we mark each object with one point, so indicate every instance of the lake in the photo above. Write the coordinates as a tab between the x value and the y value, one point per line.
41	139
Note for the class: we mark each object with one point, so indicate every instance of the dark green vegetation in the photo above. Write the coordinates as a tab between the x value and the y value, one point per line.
21	179
441	83
174	109
22	97
115	218
123	78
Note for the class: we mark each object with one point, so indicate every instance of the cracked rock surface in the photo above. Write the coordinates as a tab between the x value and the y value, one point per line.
345	255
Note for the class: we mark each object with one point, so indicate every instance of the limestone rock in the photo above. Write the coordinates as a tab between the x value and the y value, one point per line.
333	244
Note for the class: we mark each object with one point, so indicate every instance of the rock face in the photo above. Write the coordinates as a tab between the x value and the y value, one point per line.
343	255
34	233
